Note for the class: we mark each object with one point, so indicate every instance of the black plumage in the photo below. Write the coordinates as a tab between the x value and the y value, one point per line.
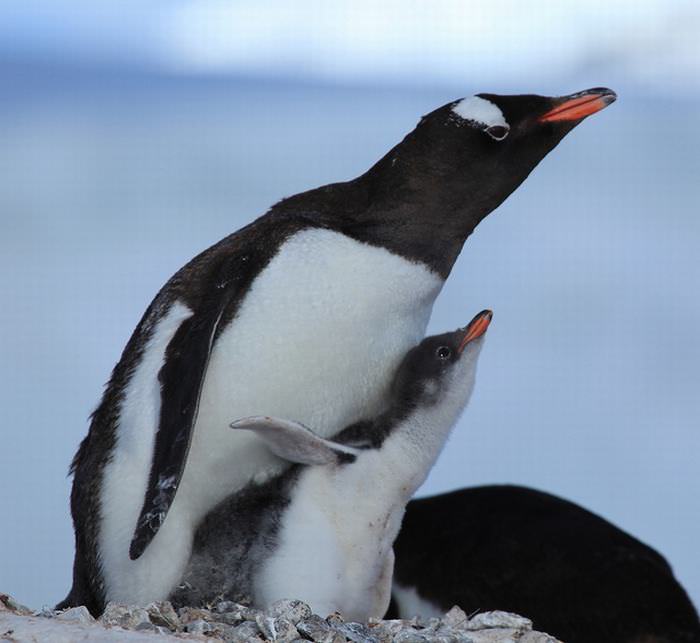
576	575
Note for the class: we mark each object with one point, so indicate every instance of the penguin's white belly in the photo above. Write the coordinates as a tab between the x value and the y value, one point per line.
316	339
335	544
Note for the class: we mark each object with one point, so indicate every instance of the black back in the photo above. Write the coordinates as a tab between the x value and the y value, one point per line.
577	576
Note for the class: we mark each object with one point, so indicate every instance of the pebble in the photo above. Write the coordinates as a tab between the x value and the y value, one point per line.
293	611
146	626
247	631
286	621
234	613
189	614
456	618
164	615
79	614
9	603
485	620
409	636
318	630
277	629
126	616
356	632
200	626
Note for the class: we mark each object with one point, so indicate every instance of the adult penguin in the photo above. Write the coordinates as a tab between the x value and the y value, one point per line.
573	573
244	325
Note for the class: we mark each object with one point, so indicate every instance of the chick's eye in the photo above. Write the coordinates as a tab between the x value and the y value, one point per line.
498	132
443	352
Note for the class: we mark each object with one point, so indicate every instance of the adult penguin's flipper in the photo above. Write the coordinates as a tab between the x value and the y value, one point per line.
181	379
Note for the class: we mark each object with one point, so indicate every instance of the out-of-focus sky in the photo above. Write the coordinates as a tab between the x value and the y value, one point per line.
653	43
135	134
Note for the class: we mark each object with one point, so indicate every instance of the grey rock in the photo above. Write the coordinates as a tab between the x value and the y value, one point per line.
45	612
459	636
232	618
54	630
442	637
163	615
432	624
356	632
204	628
409	636
335	619
277	629
456	618
223	631
286	621
397	630
313	627
235	613
537	637
199	626
292	610
126	616
78	614
146	626
498	635
226	606
319	630
9	603
246	631
497	619
251	614
189	614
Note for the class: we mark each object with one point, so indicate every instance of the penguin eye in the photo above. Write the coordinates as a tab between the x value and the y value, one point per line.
498	132
443	352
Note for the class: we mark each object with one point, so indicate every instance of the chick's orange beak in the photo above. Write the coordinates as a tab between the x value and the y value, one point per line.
476	328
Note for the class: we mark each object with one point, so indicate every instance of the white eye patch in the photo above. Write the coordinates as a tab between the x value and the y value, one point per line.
484	115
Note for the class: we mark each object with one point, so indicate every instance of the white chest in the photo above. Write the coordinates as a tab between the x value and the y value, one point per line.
316	340
334	548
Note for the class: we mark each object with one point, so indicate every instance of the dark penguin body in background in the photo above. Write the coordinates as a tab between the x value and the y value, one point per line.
322	531
573	573
365	258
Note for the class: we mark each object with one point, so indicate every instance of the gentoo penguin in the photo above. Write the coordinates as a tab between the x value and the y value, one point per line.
363	260
573	573
323	530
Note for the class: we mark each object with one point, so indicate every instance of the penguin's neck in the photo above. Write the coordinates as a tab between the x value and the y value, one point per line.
409	205
416	437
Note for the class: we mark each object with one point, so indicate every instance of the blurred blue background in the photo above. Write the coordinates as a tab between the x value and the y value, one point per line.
135	134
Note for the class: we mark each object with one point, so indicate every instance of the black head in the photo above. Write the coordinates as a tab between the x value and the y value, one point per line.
441	363
508	136
491	143
462	161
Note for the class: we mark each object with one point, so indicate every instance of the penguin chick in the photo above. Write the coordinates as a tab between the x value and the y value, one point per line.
323	530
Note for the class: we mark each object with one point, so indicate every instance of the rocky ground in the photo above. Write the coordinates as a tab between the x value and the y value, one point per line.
286	622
